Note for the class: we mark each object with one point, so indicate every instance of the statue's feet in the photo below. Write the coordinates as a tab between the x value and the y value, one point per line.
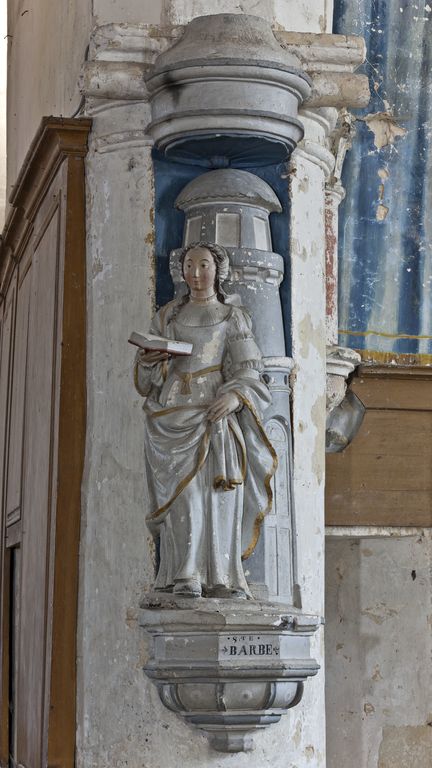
187	588
225	593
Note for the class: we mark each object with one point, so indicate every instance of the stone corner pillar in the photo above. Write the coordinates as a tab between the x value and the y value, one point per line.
331	61
116	549
120	717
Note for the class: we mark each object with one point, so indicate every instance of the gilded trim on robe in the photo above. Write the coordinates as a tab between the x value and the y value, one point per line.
136	381
164	367
221	482
187	377
267	480
202	455
173	409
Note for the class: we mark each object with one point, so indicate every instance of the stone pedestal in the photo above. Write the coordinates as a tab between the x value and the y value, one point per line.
228	667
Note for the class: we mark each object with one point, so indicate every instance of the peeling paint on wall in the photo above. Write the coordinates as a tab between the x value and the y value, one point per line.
385	235
318	415
384	128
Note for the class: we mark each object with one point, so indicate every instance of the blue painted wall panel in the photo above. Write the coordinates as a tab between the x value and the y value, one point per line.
385	236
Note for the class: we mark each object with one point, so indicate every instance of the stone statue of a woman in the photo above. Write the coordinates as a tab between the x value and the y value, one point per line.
209	461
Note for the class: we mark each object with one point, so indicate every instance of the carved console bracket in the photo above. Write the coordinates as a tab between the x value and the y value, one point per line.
344	410
227	667
340	363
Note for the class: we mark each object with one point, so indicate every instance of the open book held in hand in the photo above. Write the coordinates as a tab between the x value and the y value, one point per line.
160	344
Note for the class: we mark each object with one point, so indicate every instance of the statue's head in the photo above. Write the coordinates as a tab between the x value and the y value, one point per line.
205	266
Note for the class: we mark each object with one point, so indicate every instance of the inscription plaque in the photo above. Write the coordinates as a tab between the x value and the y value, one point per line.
235	647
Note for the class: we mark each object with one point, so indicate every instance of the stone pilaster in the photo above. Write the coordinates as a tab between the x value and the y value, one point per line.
116	561
310	166
341	361
115	548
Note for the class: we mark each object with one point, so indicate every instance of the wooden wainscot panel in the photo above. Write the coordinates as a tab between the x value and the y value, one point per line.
42	422
40	469
13	489
384	478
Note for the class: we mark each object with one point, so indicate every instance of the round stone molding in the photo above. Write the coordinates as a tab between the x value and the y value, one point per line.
227	94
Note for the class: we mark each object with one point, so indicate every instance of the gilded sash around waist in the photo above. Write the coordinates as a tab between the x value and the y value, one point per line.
186	378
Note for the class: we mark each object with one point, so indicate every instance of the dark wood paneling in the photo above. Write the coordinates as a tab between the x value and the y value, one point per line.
16	437
71	447
39	485
393	391
42	422
6	312
6	362
384	477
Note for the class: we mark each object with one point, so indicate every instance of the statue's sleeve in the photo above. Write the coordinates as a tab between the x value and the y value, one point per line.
243	354
148	378
243	363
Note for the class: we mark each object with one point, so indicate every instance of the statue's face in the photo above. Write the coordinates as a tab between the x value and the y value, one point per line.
199	270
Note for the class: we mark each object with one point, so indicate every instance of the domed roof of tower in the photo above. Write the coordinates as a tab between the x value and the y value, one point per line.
229	186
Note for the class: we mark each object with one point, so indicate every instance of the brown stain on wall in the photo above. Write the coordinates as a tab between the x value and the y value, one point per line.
406	747
318	414
306	333
331	254
380	613
296	737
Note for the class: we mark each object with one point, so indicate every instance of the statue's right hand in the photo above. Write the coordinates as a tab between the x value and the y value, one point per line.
151	358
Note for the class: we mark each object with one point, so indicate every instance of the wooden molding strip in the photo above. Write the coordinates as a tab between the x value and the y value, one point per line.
397	371
56	139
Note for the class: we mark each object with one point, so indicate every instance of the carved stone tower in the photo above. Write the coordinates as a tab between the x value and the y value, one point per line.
232	207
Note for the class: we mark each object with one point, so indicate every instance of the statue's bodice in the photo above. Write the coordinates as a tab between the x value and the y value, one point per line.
195	380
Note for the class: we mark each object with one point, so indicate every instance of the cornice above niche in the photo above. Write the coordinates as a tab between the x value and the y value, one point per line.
122	57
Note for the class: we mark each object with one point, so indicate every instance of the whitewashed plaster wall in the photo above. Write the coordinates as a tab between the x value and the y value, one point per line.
46	47
310	166
293	15
144	11
115	709
379	648
3	78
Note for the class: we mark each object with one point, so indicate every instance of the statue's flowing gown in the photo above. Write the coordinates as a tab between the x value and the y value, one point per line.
209	483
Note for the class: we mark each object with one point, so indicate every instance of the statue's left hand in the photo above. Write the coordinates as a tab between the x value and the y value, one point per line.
223	406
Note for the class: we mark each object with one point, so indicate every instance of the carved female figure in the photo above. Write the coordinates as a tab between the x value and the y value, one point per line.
209	461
